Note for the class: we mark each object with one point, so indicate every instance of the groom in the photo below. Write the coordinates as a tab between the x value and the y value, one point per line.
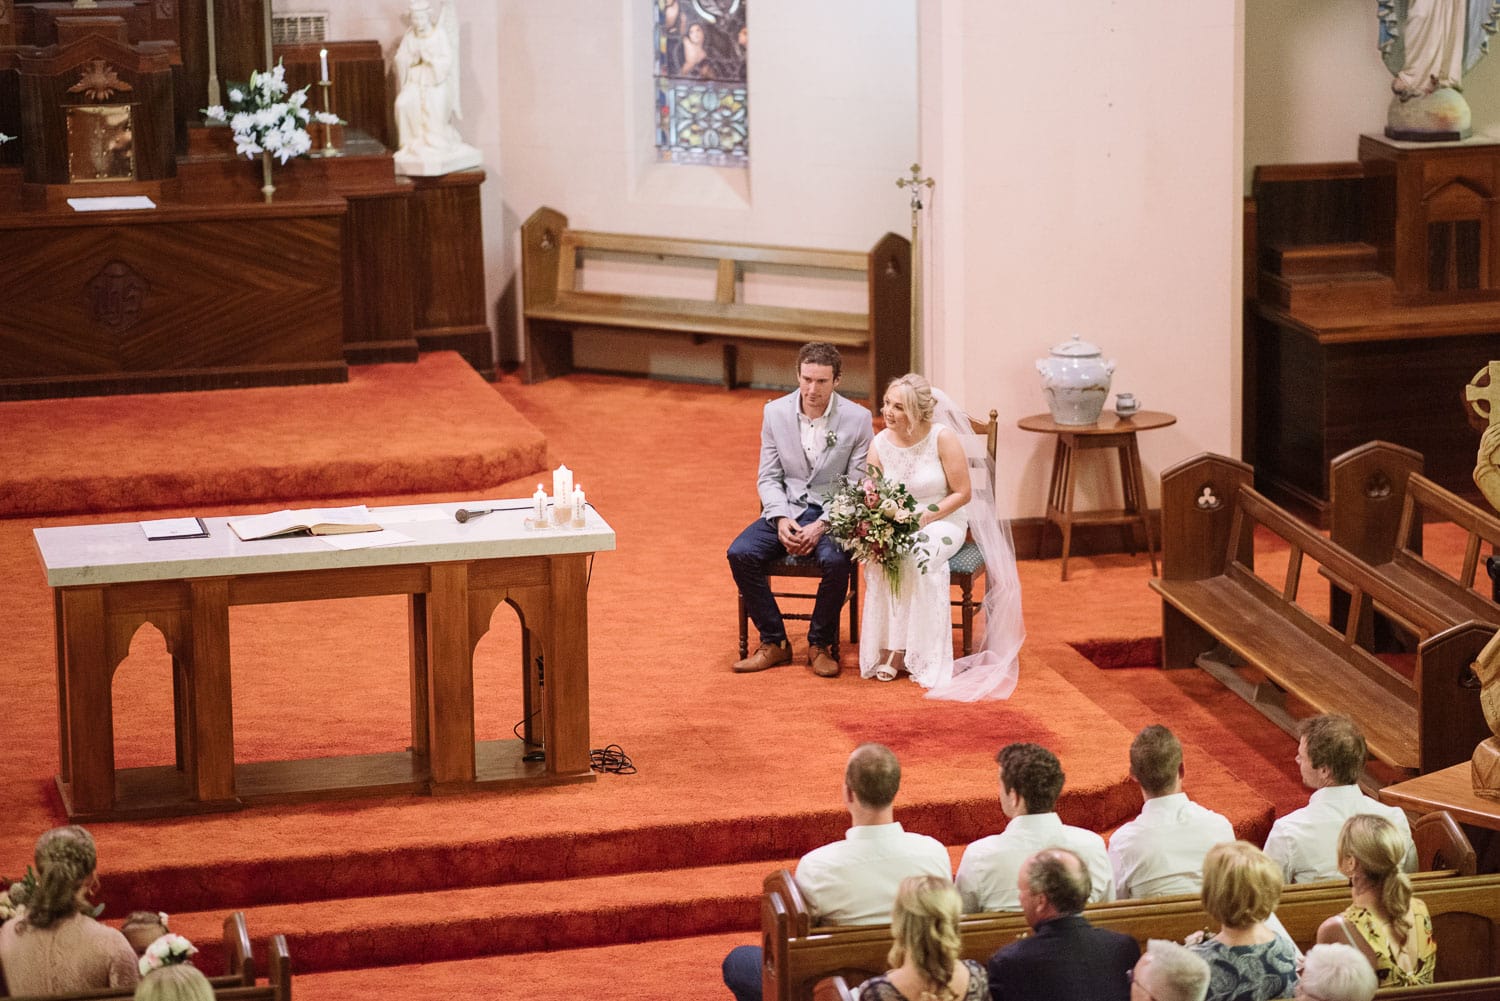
808	439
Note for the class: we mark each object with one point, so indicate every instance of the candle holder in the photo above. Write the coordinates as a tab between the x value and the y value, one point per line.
578	519
329	149
561	513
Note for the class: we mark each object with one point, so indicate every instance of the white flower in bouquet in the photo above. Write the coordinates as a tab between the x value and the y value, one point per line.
166	951
875	519
265	118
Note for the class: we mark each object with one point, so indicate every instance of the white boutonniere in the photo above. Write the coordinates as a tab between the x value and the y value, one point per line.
831	438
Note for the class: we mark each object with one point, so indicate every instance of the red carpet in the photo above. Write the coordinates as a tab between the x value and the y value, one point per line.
390	429
737	773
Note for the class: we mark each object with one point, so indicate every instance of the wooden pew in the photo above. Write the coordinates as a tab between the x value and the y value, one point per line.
278	985
552	259
1211	599
1465	912
1379	500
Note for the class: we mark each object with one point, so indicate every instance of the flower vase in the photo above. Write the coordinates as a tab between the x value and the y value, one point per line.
268	189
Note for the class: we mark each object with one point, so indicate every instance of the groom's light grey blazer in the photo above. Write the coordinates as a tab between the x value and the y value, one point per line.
787	482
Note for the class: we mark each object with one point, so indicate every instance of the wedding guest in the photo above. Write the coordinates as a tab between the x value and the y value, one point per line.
1336	972
142	928
55	946
1383	921
924	953
1167	971
1247	960
177	982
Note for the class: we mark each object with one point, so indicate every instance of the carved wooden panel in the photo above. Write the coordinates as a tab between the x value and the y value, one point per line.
377	295
448	273
150	298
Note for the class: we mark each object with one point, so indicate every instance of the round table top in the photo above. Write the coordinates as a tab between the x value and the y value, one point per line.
1108	423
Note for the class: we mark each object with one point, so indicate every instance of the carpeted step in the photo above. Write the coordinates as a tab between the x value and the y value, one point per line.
495	920
661	970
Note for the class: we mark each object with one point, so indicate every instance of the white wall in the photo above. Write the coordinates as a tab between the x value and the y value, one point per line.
1314	81
1088	166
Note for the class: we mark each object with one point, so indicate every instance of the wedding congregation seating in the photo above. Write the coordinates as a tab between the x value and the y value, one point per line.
555	258
1213	600
798	955
1379	501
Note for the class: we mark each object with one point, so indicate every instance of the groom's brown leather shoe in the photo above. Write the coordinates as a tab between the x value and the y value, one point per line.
822	661
766	655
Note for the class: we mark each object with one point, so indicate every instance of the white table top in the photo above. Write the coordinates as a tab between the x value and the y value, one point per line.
82	555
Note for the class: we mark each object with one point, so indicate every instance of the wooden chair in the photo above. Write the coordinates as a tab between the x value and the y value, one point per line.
1442	844
967	565
805	567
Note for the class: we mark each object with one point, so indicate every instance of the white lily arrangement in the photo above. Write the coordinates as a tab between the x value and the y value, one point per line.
5	138
266	118
166	951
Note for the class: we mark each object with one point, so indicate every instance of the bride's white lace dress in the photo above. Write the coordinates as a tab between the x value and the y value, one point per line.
916	618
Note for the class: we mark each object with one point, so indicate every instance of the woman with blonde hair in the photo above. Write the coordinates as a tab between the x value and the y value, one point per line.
1247	960
924	953
177	982
1383	921
54	945
907	625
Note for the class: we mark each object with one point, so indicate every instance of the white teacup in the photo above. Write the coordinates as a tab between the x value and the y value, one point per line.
1126	403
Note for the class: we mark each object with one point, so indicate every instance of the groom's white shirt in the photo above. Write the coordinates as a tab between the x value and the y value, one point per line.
787	481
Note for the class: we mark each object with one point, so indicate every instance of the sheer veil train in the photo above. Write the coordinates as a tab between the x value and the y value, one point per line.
991	671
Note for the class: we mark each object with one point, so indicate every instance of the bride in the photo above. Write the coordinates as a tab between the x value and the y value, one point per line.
910	628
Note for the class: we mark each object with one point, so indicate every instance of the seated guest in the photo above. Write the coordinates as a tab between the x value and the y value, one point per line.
1031	779
1167	971
1331	755
142	928
54	946
854	881
924	953
1336	972
1384	921
1247	960
1065	957
1161	851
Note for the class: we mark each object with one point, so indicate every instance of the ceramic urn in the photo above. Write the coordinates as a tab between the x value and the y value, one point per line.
1075	380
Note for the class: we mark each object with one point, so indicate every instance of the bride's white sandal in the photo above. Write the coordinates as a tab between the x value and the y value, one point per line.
887	669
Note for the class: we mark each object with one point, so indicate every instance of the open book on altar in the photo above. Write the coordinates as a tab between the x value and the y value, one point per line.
313	521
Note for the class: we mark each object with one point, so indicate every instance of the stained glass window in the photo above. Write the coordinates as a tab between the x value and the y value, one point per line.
701	100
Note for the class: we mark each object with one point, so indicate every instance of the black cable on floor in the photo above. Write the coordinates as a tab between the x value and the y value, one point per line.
611	759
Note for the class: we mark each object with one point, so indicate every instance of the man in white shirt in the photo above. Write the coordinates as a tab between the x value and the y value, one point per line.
854	881
1031	779
1161	851
1331	754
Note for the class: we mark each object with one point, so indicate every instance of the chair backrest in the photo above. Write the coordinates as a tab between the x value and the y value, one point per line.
979	449
1442	844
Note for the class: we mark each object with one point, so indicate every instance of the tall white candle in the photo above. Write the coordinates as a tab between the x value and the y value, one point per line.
562	485
323	57
539	505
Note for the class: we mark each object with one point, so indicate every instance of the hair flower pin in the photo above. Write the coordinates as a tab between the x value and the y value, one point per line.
166	951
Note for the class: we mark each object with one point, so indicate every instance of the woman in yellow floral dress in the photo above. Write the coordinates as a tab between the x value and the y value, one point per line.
1384	921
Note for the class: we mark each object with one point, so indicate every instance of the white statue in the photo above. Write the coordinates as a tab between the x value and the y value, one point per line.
426	65
1428	45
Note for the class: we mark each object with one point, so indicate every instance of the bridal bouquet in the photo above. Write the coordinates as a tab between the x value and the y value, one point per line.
875	519
266	118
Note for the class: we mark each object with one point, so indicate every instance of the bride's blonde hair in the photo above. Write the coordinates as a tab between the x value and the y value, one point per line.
915	394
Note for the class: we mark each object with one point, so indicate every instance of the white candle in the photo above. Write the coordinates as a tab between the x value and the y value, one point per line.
323	57
539	505
562	485
578	503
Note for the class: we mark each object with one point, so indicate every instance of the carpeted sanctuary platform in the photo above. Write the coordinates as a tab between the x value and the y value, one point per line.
391	429
511	895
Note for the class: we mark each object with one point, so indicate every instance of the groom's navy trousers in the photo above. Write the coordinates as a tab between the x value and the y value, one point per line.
758	546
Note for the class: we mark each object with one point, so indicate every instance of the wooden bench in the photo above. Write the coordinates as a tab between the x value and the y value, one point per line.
1483	989
1465	912
556	303
278	985
1379	501
1212	599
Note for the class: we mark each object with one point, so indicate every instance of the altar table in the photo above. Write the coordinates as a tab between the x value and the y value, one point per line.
108	581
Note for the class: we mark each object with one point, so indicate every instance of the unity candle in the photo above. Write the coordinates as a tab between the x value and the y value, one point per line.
562	485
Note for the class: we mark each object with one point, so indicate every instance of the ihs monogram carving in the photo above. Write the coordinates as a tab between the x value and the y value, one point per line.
116	296
97	81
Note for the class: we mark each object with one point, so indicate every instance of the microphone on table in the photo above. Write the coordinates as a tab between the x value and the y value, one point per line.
463	515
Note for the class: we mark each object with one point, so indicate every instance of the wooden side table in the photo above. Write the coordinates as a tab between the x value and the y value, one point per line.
1110	431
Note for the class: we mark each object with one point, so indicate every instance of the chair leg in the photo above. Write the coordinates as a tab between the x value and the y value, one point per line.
966	612
854	607
744	629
